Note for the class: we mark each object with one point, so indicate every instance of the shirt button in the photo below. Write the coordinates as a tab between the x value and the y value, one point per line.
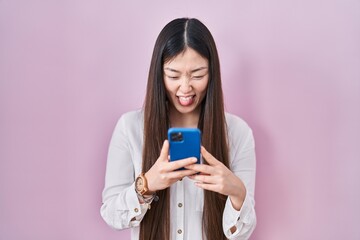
180	205
179	231
136	209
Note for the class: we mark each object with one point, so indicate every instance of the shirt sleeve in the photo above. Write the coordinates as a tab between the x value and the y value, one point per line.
121	208
243	165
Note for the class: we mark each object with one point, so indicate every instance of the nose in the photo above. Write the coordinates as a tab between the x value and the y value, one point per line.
185	85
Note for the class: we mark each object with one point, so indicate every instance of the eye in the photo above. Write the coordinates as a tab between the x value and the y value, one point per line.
197	77
173	77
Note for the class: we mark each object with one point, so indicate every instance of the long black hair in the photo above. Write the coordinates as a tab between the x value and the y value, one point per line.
175	38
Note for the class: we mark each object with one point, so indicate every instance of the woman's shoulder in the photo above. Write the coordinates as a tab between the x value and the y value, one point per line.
239	133
235	122
132	116
131	120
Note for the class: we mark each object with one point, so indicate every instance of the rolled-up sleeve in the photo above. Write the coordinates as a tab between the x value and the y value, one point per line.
244	220
240	224
121	208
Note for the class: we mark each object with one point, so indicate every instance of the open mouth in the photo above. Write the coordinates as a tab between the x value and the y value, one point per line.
186	100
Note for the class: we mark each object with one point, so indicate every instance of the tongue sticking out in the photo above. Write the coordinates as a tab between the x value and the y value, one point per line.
186	101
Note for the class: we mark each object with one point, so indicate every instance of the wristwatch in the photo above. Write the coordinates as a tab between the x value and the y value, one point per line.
141	185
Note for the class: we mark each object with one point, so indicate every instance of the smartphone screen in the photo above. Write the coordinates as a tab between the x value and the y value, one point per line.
184	143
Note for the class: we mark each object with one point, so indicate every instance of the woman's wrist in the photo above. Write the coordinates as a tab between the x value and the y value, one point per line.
236	202
146	198
238	198
151	191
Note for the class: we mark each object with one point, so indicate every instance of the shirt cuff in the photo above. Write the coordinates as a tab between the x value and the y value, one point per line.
233	217
136	210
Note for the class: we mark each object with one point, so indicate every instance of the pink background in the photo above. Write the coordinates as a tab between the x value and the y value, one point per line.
69	69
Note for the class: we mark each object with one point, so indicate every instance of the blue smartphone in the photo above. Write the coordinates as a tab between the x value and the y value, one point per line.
184	143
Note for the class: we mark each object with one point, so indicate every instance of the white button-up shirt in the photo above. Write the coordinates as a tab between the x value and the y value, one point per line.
121	208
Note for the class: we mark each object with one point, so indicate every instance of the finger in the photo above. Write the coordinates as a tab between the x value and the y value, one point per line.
202	168
180	174
164	151
210	159
181	163
203	178
206	186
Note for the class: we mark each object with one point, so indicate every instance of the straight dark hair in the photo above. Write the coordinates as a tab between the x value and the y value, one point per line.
174	38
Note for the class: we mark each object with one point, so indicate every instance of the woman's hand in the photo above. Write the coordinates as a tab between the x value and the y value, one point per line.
218	178
163	173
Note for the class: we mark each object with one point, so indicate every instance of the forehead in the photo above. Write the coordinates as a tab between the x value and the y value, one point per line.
187	60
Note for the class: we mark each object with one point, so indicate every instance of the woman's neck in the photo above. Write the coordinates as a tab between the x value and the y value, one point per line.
188	120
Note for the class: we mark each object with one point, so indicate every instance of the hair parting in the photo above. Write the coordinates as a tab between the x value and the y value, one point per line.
185	33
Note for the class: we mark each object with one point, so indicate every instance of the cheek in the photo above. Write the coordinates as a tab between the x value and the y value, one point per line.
202	87
170	86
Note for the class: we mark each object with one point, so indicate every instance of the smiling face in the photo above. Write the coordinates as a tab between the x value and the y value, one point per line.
186	78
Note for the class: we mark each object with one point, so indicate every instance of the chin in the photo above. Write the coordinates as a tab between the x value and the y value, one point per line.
186	110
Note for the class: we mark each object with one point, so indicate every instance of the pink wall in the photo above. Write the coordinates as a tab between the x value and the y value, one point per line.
69	69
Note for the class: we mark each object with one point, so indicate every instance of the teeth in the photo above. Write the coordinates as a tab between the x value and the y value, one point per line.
185	98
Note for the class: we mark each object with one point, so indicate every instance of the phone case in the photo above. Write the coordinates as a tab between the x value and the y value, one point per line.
184	143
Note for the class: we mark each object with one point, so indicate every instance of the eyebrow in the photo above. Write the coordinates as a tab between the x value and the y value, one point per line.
192	71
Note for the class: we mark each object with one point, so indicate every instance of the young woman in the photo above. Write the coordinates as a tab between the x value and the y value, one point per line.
143	190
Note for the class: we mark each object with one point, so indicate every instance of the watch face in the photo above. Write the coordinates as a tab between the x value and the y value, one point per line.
139	184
